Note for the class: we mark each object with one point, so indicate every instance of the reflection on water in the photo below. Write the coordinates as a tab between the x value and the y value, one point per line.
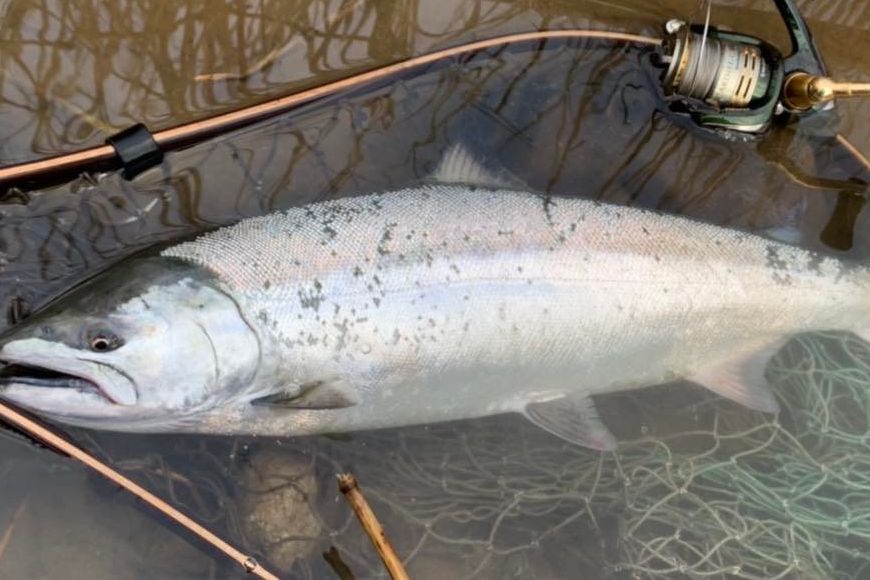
570	118
72	73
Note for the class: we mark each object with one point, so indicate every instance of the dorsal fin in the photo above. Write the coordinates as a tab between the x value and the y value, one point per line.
459	166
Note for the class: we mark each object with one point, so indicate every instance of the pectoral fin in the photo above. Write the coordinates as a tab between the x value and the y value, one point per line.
574	419
741	378
324	394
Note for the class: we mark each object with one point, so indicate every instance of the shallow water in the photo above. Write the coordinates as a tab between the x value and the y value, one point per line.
569	118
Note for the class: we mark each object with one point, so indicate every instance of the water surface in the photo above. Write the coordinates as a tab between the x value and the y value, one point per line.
486	499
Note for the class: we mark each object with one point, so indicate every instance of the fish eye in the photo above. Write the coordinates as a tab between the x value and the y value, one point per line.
102	341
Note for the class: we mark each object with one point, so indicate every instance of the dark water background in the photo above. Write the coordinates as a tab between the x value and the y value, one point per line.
579	118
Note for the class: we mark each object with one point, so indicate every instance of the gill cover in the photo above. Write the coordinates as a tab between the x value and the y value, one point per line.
151	342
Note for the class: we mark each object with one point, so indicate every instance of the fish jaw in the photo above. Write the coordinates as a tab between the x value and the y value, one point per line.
50	378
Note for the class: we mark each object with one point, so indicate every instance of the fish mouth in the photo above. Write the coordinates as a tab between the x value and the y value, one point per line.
46	378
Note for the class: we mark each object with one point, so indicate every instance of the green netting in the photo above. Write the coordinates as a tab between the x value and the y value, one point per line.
769	500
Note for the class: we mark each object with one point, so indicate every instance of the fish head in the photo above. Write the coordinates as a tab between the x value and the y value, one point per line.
145	346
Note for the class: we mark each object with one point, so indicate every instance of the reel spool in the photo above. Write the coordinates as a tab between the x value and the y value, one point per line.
725	82
720	72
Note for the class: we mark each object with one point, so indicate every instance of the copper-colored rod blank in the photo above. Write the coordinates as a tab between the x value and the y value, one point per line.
859	157
64	446
208	127
189	133
348	485
79	160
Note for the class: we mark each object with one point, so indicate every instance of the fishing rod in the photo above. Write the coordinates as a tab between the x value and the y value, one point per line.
729	84
136	149
33	428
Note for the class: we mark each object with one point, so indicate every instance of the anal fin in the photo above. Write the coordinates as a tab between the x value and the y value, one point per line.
741	379
574	419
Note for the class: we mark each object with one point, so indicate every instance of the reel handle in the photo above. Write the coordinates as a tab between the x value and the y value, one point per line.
805	55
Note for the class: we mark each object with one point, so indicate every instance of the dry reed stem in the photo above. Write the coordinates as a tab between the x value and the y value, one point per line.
348	485
274	55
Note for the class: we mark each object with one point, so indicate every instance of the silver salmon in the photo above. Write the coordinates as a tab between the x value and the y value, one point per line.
450	300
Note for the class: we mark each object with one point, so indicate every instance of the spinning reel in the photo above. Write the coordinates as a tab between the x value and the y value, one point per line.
737	84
